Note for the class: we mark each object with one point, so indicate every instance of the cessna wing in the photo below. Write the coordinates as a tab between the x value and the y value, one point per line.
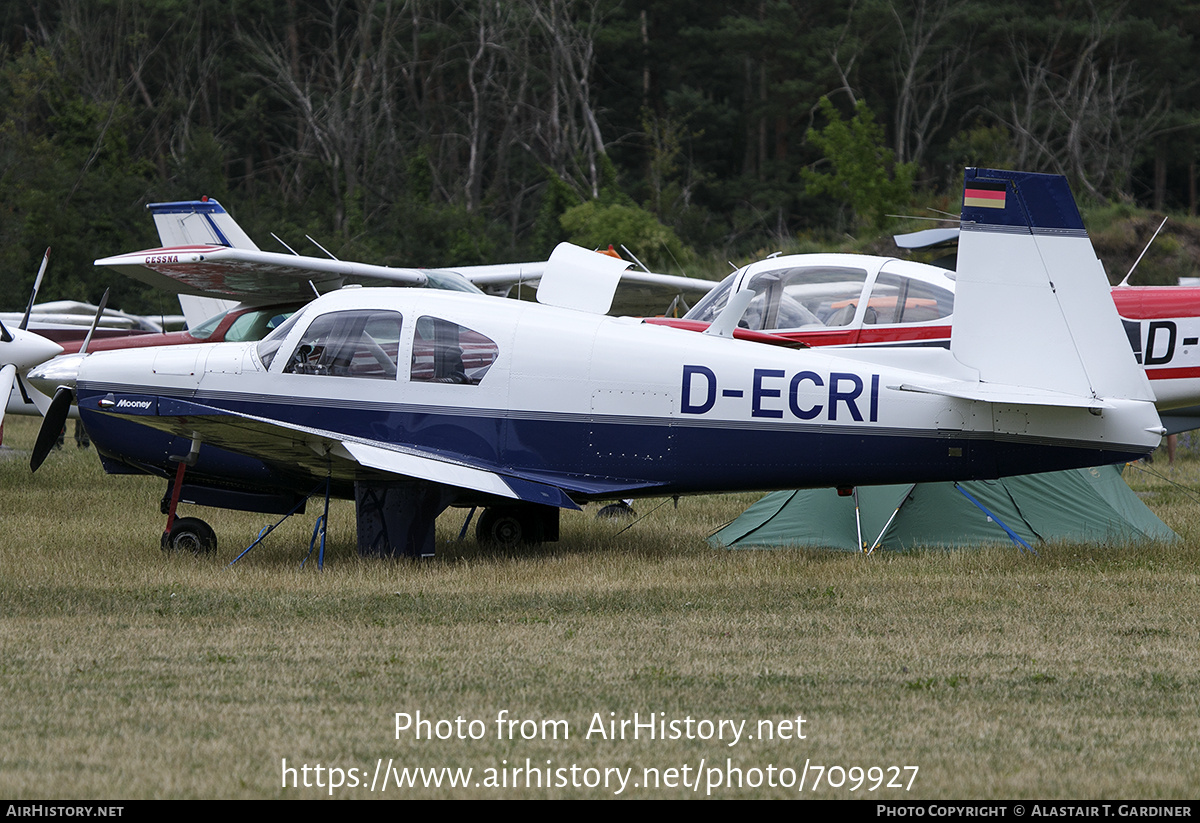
206	253
223	272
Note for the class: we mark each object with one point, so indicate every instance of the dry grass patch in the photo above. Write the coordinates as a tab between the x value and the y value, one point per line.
128	673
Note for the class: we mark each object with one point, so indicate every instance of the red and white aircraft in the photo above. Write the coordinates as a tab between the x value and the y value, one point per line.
854	300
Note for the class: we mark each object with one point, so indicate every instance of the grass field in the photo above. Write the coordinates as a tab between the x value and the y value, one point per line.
127	673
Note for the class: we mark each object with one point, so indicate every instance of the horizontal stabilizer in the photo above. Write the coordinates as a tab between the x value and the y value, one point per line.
999	393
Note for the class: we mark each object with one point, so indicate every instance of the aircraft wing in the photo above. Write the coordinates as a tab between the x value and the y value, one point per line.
638	294
233	266
224	272
321	452
252	275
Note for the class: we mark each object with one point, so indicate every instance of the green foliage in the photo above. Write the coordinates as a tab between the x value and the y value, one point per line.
70	180
865	174
464	128
597	225
983	146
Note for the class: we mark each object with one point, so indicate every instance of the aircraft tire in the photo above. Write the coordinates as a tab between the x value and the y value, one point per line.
508	526
616	511
191	534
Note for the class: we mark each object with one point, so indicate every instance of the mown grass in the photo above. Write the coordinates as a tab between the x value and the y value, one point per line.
127	673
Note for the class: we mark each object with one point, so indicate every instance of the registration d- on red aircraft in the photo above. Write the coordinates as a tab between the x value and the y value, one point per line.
853	300
412	400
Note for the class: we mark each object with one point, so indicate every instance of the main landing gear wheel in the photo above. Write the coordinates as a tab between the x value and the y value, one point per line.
190	534
616	511
508	526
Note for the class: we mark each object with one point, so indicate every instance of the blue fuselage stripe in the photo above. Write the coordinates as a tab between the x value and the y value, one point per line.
678	455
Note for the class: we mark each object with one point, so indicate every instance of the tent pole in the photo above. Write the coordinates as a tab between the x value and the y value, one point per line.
858	522
903	500
1012	534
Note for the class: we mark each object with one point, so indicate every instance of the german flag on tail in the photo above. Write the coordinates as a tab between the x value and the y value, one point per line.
979	194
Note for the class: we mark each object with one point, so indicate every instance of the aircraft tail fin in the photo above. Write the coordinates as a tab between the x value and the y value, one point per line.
1032	302
198	223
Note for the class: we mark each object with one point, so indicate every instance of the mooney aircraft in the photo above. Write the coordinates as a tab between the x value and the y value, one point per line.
412	400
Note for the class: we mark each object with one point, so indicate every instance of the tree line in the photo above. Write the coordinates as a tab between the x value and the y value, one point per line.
441	132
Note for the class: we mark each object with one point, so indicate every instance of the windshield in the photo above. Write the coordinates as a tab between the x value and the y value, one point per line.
270	344
451	281
205	329
806	297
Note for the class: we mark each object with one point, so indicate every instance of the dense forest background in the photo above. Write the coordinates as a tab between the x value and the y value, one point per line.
442	132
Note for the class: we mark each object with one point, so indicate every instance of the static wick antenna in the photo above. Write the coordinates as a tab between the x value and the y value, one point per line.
285	245
319	246
1143	254
625	249
948	219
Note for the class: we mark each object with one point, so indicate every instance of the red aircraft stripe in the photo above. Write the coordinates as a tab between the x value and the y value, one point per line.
1173	374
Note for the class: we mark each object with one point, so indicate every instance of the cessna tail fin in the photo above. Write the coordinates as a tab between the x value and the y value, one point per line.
1032	303
198	223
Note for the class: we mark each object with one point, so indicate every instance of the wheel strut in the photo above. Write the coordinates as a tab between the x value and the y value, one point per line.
177	487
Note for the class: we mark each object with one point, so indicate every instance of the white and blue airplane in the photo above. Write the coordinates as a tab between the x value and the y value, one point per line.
413	400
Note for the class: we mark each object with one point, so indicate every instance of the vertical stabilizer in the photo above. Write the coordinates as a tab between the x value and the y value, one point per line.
198	223
1032	302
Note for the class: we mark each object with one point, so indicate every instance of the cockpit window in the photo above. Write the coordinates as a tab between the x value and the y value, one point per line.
361	343
445	352
205	329
257	324
897	299
808	297
451	281
271	343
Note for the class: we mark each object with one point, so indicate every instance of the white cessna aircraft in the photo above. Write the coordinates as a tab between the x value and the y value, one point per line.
206	253
412	400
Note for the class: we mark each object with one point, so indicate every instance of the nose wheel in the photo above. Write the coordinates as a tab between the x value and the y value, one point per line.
185	534
190	534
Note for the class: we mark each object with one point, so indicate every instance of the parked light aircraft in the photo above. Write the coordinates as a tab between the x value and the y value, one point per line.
20	351
205	252
411	400
852	300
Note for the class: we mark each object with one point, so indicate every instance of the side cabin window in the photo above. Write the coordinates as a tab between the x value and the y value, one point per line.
445	352
360	343
815	298
897	299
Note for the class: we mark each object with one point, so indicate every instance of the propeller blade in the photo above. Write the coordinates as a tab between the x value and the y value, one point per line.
7	375
36	397
24	392
37	284
5	334
95	322
56	418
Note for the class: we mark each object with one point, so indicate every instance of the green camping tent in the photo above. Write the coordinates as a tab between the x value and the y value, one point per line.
1080	505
